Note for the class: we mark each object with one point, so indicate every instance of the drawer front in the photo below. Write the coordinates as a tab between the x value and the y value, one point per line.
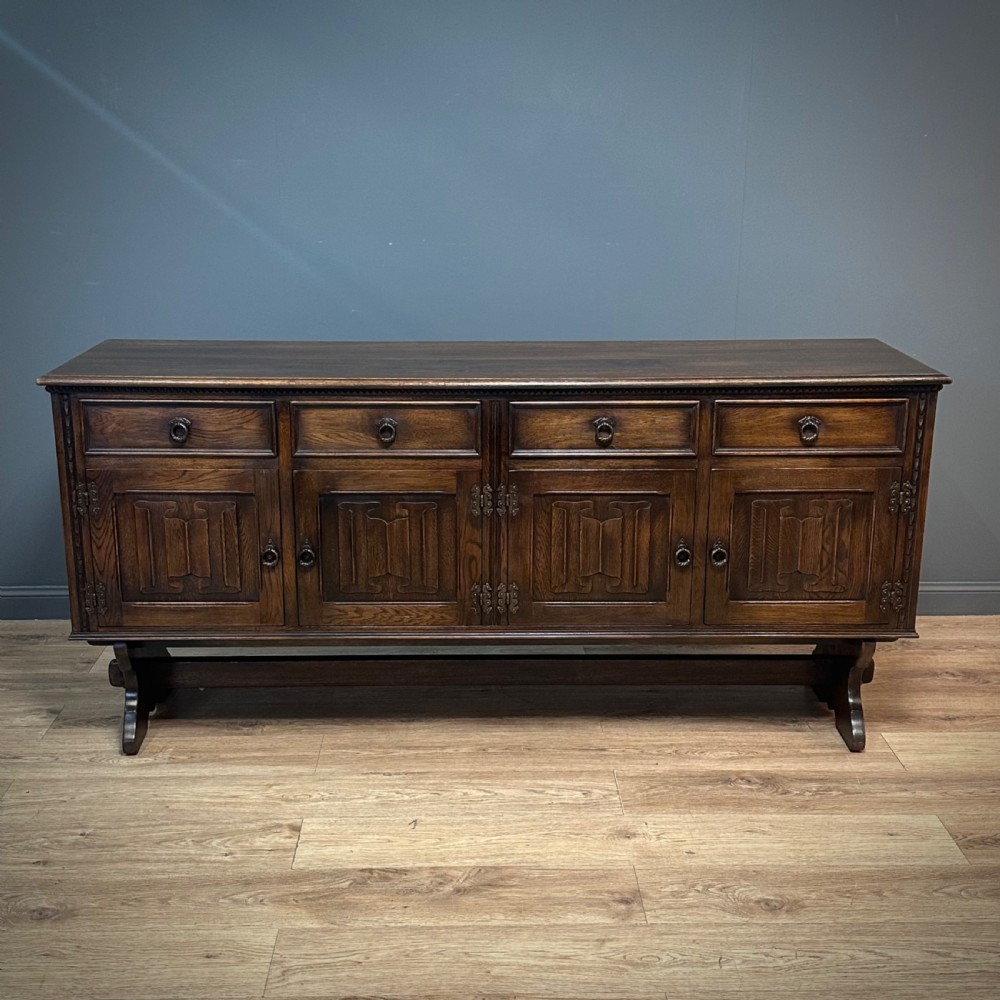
608	429
797	427
446	428
178	427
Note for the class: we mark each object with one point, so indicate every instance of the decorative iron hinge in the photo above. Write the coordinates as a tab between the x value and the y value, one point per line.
507	598
902	498
892	596
482	500
87	502
482	600
507	501
95	599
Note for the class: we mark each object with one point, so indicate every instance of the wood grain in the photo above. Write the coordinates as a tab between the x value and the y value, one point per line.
616	962
835	791
372	897
666	363
976	833
970	753
158	839
557	838
155	961
339	794
775	894
549	854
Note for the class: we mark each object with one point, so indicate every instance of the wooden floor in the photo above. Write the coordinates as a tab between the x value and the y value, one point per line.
460	843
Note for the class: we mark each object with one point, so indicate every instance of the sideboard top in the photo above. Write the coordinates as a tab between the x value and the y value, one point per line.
666	364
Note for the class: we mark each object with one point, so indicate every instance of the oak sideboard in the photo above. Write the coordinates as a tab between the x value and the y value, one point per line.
269	494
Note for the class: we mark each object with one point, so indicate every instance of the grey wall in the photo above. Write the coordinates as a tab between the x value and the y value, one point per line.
424	169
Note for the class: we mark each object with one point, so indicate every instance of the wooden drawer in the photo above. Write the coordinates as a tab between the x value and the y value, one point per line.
178	427
798	427
431	428
604	429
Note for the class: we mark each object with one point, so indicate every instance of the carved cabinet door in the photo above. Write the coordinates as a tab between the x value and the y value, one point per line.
800	547
600	549
387	547
186	548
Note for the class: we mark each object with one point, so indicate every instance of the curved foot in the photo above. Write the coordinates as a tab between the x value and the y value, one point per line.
851	664
142	692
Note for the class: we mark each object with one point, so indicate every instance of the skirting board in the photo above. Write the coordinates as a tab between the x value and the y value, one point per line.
960	597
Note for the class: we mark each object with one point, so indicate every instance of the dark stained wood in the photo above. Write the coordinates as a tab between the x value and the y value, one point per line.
348	364
603	428
390	428
179	671
541	493
187	548
390	546
847	665
598	548
807	426
800	547
134	669
137	426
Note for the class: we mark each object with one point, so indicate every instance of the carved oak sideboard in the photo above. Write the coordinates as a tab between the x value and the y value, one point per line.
222	493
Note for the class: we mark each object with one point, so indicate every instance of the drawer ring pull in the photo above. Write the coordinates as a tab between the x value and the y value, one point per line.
307	555
385	431
719	554
809	429
604	431
178	429
270	556
682	554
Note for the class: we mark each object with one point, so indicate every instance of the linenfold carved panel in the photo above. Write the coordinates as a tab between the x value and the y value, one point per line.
801	545
584	546
387	548
599	546
180	547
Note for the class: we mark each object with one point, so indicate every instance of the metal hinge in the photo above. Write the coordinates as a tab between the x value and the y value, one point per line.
507	598
507	500
482	600
482	500
95	599
902	498
892	596
86	500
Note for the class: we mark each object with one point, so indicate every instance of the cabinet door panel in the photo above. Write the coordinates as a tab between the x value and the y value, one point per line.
184	548
597	548
392	548
806	547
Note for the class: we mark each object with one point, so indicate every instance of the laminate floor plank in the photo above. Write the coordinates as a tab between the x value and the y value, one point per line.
976	833
424	748
813	962
338	794
559	838
370	897
974	754
14	738
106	960
505	843
776	894
150	838
809	790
